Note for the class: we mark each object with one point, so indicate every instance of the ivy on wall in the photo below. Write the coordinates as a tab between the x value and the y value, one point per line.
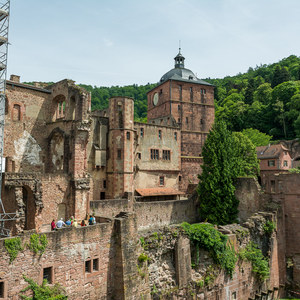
205	236
13	247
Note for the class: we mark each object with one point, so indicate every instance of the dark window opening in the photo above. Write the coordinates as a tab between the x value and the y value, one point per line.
191	93
102	195
272	186
175	136
187	120
154	154
179	107
88	266
160	91
271	163
96	264
139	155
104	184
1	289
166	155
47	274
161	180
159	134
119	154
128	135
179	178
285	163
179	120
142	132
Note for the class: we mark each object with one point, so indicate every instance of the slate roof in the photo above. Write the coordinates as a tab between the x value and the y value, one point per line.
270	151
182	74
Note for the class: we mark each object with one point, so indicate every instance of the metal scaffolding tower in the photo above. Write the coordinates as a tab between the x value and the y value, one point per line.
4	22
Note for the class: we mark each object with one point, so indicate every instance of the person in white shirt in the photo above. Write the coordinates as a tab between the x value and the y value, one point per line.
60	223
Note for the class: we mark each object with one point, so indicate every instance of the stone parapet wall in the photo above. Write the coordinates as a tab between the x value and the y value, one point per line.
154	214
164	213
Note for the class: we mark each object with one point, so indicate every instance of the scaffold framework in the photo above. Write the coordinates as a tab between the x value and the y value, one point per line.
4	26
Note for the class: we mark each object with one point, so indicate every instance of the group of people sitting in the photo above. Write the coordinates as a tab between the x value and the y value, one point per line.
72	222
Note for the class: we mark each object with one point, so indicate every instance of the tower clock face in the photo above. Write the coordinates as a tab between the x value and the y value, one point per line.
155	99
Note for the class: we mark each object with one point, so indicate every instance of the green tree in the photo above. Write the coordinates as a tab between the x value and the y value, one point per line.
225	157
257	138
245	152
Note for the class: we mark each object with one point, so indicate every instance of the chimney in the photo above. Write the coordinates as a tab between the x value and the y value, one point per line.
15	78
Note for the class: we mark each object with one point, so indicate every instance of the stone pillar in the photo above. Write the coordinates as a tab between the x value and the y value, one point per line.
183	262
129	283
20	222
81	191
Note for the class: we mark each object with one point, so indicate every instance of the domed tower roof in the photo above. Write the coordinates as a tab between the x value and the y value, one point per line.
181	73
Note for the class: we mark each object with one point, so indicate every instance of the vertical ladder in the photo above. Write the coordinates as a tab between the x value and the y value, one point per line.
4	22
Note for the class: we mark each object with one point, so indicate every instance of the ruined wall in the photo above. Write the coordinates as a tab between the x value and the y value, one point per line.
25	121
67	253
249	193
170	257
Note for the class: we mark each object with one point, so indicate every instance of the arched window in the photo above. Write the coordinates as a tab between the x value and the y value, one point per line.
16	113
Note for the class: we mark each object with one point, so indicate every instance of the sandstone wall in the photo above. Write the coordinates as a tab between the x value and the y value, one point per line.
154	214
67	253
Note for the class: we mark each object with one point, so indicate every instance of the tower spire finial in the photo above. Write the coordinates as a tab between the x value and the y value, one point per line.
179	46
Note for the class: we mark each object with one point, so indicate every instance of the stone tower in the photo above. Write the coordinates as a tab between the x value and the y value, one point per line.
121	147
188	102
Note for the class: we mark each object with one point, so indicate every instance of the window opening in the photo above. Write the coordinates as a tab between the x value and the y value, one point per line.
128	135
161	180
2	289
88	266
104	184
47	274
154	154
142	132
175	136
96	264
166	155
119	154
271	163
159	134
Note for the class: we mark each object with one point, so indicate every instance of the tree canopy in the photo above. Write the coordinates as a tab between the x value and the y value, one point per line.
226	156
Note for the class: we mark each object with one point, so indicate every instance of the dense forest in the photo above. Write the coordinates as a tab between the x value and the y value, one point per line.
266	98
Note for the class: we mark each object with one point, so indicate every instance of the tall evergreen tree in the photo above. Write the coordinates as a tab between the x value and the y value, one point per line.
225	157
218	204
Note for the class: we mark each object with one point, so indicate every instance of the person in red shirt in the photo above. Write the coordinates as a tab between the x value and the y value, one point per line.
53	226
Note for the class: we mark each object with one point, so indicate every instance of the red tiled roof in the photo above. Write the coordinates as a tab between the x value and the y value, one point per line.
158	192
271	151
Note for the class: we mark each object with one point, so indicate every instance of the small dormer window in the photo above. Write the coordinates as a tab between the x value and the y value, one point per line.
191	77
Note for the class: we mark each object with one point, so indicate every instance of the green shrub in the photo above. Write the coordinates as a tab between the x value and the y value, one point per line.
143	257
43	291
269	227
260	265
13	246
205	236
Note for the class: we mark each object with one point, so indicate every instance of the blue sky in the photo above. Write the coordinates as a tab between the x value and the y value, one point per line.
121	42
